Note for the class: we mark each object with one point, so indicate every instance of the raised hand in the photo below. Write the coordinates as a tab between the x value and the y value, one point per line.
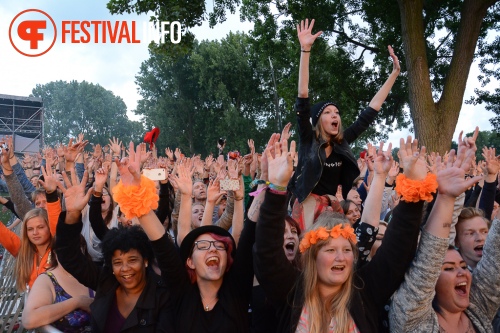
338	195
280	167
492	162
412	159
72	150
394	171
304	33
285	133
50	182
100	178
383	160
129	168
97	151
116	146
451	175
232	169
213	191
396	67
169	153
183	180
177	154
264	165
75	197
251	146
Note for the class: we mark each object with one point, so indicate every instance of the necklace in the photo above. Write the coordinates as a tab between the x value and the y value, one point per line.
207	306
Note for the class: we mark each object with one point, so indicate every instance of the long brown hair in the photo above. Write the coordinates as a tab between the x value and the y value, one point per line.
111	208
335	306
25	257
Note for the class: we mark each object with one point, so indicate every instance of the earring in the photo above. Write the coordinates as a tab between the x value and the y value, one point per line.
113	273
146	264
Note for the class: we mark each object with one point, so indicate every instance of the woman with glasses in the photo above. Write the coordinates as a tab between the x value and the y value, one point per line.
211	281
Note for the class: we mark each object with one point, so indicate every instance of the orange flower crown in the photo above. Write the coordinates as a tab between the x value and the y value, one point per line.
416	190
135	201
322	233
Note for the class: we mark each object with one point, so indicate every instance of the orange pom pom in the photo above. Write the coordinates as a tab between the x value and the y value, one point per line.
136	201
416	190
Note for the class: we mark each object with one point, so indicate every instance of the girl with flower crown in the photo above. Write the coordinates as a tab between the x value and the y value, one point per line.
333	292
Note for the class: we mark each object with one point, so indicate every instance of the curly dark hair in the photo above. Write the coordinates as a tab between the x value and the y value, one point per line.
126	239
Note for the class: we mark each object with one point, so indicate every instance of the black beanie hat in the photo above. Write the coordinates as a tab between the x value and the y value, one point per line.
318	108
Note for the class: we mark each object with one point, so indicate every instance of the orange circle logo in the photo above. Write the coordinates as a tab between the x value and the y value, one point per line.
29	35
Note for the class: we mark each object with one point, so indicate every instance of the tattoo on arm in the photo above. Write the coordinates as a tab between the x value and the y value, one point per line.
446	225
253	212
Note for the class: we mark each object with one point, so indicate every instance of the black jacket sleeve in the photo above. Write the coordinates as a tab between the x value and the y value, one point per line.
95	217
275	273
172	268
10	206
70	254
364	120
487	199
164	209
395	254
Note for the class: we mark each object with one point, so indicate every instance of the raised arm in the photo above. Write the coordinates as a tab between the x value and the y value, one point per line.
69	229
306	39
184	182
273	270
400	241
412	302
238	215
213	194
373	202
381	95
170	264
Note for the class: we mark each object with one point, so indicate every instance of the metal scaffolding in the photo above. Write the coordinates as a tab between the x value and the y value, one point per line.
22	118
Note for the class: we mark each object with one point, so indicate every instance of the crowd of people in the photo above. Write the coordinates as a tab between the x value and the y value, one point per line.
298	238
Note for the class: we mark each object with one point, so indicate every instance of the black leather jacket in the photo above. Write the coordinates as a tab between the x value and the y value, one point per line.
312	152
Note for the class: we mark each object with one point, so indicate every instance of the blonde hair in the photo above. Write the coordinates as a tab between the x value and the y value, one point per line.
336	306
26	254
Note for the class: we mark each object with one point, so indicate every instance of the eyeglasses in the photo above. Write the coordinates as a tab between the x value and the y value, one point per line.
205	245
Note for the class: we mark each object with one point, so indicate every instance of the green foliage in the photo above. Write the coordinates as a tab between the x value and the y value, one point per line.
215	91
489	51
189	13
82	107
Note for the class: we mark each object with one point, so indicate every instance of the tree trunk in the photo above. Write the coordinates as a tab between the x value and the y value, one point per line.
435	122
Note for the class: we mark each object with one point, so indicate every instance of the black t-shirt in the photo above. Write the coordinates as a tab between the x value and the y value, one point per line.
330	178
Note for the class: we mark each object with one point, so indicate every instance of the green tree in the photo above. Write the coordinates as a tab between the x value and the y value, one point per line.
82	107
214	91
436	41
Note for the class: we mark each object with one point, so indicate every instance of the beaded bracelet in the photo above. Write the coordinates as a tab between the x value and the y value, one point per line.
277	188
256	182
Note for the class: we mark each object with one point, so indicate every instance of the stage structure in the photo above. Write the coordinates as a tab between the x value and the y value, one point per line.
22	117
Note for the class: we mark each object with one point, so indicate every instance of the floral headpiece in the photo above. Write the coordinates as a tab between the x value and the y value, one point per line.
322	233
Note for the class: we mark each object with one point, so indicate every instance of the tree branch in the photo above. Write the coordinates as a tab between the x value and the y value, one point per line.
444	40
355	42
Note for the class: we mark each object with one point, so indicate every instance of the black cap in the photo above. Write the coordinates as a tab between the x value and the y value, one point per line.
318	108
188	241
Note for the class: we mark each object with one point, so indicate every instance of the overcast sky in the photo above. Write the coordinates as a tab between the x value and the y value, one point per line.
114	66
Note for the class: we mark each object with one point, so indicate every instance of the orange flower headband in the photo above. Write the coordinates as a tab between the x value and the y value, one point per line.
322	233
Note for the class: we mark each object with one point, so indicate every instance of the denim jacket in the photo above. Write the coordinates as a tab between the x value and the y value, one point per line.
312	152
